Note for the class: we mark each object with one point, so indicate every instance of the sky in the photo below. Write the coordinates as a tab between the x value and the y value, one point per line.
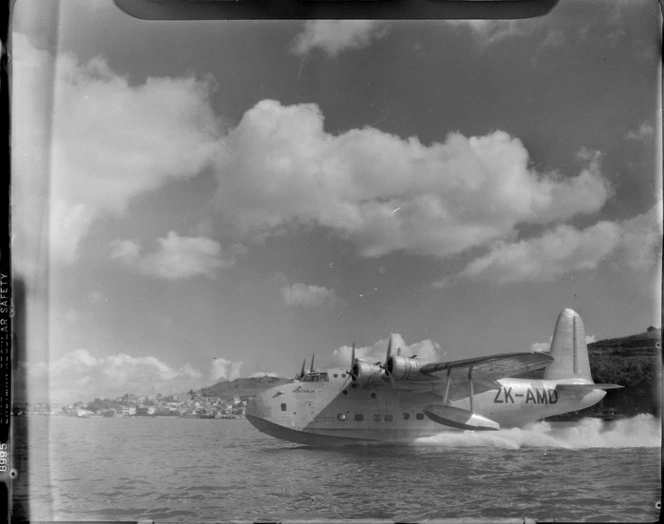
204	200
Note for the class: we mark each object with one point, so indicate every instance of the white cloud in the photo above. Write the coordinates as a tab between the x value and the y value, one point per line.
125	250
540	346
260	374
425	350
635	243
487	32
545	258
223	369
111	140
640	246
299	294
178	257
385	193
334	36
78	375
555	38
645	132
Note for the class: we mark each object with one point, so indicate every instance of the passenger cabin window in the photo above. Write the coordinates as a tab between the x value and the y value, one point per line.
419	416
406	416
376	418
283	406
359	417
389	418
341	416
316	377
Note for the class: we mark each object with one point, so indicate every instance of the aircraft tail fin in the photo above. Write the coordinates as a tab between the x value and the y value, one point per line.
569	350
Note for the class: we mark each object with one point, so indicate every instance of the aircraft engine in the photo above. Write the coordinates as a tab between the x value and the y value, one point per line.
366	374
400	368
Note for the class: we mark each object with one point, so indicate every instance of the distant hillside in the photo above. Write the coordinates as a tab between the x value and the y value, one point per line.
633	362
243	387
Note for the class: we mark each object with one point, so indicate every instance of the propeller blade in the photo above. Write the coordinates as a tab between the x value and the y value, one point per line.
352	362
304	363
312	362
399	351
389	349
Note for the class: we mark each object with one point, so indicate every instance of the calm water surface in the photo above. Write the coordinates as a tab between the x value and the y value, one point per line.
183	470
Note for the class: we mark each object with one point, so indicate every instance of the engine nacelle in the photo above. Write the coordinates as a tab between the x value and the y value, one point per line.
402	368
366	374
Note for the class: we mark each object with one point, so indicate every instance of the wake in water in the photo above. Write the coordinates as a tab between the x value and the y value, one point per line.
642	431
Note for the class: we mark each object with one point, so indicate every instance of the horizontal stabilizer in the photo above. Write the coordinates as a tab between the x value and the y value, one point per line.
460	418
585	387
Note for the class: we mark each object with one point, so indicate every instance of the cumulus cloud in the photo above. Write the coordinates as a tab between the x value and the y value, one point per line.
640	246
546	257
635	243
385	193
335	36
261	374
299	294
111	140
79	375
541	346
645	132
178	257
425	349
125	250
487	32
223	369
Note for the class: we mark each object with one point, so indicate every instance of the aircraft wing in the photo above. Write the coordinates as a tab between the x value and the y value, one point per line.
485	371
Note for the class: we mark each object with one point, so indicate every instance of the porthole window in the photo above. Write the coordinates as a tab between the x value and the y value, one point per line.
389	418
343	375
353	385
406	416
335	375
373	395
376	418
345	392
419	416
283	406
341	416
359	417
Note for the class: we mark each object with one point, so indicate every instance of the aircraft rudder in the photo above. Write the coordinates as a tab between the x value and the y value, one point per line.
569	349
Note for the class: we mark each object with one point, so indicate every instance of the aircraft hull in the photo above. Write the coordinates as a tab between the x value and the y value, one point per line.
340	437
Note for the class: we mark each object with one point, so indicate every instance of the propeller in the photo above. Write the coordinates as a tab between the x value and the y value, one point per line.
353	359
387	358
301	373
311	370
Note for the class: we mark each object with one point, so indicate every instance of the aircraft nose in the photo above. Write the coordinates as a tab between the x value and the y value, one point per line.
259	406
254	407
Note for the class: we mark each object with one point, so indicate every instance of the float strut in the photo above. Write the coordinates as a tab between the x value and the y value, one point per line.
447	386
472	393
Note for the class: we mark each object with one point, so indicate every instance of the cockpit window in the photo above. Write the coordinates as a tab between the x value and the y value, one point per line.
316	377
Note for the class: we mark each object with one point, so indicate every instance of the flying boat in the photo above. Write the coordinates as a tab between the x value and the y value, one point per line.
405	397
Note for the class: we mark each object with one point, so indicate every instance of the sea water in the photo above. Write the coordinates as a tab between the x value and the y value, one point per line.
187	469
